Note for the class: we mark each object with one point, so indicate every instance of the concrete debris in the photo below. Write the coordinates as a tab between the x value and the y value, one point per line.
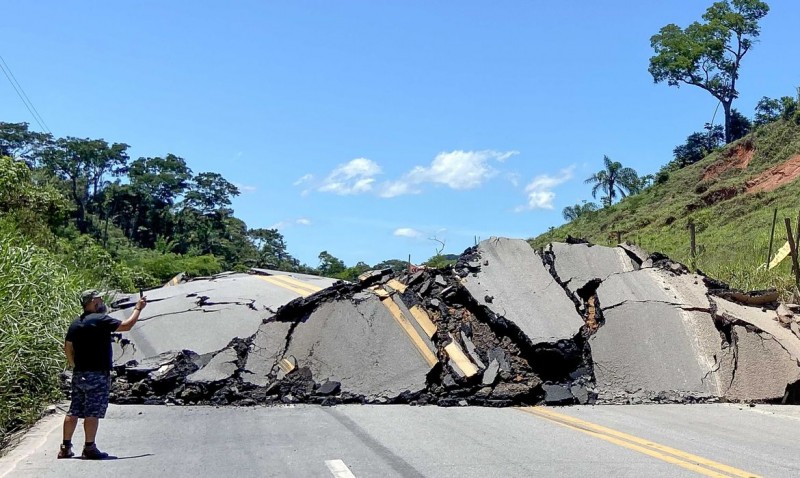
506	325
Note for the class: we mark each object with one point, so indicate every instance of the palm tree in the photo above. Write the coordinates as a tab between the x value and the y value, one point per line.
613	178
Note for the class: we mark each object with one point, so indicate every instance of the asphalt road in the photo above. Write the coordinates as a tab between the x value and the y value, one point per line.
387	441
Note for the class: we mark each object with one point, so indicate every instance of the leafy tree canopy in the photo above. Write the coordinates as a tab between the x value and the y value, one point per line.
708	55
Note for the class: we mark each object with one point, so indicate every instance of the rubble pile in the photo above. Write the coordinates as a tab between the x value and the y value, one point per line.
507	325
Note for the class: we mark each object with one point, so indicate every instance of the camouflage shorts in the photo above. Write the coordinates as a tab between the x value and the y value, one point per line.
89	394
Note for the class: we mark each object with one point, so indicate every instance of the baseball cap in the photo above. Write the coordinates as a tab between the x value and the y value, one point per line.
88	295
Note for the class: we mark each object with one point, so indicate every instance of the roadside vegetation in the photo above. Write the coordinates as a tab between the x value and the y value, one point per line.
732	225
717	179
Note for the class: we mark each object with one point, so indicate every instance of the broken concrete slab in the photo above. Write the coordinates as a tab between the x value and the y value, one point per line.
266	350
524	293
645	345
221	367
759	368
577	264
761	361
362	346
204	315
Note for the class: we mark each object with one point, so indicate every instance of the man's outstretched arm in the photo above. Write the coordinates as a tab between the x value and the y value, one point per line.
128	323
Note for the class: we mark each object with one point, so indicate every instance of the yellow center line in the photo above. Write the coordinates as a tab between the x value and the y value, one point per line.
460	358
409	329
647	447
297	283
296	290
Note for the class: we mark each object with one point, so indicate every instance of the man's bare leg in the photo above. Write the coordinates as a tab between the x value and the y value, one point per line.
70	423
90	425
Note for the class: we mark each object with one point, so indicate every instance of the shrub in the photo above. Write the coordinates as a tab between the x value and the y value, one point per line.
38	300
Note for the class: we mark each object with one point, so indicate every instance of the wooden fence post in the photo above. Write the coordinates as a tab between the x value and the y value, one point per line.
793	252
771	236
692	244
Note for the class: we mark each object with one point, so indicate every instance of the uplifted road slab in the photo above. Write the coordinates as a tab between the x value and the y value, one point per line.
514	284
204	315
762	358
360	344
578	264
647	349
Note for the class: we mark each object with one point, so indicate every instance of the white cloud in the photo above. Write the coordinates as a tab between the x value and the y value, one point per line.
279	225
244	188
391	189
303	179
539	190
455	169
302	221
354	177
408	232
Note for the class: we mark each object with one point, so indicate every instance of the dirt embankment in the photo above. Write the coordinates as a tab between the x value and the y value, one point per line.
776	177
736	157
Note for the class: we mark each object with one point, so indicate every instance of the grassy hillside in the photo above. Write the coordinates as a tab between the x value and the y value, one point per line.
719	194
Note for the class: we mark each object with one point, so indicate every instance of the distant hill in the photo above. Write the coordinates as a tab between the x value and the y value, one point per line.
730	196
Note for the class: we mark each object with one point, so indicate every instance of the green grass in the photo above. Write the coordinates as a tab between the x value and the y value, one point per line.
38	299
732	235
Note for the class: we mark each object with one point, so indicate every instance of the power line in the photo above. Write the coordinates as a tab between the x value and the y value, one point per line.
22	95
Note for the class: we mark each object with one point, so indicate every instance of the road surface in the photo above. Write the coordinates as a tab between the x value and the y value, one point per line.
392	441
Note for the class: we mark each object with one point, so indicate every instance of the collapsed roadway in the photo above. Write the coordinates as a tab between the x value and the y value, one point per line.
572	324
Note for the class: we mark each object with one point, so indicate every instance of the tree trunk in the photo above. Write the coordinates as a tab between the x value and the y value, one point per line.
728	133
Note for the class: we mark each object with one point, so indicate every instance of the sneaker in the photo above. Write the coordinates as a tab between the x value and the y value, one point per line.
92	453
65	451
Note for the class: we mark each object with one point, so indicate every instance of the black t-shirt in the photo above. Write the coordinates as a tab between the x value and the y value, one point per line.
90	335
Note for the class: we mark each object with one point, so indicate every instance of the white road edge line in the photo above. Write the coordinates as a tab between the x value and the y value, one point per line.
33	440
339	469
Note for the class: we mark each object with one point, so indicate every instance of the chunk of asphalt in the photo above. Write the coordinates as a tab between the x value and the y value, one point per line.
425	286
330	387
490	374
471	350
580	393
577	264
499	355
221	367
265	352
557	394
524	293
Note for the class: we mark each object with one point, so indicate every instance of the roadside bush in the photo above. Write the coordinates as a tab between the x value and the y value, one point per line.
164	266
38	299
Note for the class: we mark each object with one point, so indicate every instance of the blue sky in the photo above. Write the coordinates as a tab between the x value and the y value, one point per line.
367	128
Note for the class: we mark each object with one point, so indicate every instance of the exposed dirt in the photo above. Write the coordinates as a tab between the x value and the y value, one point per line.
776	177
736	157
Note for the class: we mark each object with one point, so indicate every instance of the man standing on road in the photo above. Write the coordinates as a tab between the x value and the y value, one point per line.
88	350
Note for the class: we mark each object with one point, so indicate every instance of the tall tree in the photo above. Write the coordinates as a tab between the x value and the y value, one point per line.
17	141
210	192
708	55
271	247
85	164
613	178
330	266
